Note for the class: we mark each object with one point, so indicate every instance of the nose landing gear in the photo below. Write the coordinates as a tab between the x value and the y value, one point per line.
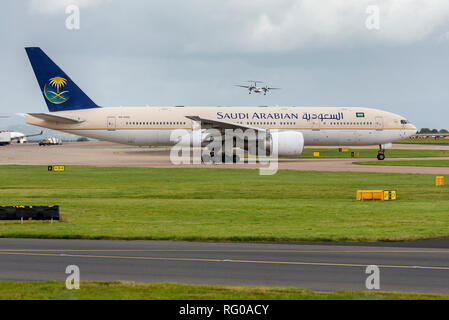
381	153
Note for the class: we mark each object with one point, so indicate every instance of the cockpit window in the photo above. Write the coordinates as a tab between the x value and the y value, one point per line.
404	121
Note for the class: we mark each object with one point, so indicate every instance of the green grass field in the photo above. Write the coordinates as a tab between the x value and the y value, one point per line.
372	153
414	163
423	141
223	204
55	290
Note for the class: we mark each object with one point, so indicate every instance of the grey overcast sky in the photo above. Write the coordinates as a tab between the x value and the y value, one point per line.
174	52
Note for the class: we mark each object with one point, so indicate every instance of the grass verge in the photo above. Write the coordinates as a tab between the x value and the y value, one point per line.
372	153
55	290
424	141
414	163
223	204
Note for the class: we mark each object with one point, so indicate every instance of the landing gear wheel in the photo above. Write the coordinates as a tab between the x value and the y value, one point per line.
380	156
381	153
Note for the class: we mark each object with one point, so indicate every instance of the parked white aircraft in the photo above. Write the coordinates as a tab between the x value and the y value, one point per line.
21	137
72	111
18	136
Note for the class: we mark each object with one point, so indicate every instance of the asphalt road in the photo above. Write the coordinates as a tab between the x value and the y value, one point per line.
416	266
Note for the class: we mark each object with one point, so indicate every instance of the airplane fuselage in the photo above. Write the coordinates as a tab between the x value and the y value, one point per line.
152	126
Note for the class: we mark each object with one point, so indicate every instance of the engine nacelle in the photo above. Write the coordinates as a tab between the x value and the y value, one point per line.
286	143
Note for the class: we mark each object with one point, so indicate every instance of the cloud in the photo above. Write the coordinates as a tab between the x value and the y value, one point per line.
58	6
285	25
198	27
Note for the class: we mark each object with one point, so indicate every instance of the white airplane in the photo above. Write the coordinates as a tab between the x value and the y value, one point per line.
255	88
20	137
292	128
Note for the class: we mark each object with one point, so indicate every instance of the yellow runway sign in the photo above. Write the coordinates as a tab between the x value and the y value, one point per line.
56	168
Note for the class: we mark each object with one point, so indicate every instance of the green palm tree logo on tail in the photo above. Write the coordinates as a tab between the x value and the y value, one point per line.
57	97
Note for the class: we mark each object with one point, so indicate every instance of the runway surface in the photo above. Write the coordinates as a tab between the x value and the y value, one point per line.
112	154
418	266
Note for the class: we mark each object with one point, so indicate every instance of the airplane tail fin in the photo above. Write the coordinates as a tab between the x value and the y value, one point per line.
59	91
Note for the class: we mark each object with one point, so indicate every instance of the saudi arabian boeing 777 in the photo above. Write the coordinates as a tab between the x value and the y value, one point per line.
72	111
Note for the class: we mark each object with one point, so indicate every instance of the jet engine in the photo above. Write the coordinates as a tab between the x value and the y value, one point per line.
286	143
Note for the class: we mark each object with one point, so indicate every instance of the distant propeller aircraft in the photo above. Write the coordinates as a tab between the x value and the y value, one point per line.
254	88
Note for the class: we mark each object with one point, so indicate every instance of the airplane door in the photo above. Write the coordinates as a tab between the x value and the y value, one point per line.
111	123
379	123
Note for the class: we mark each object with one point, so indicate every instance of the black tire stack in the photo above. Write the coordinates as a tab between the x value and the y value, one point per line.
29	212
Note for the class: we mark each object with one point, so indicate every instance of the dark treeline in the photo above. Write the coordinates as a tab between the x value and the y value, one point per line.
427	130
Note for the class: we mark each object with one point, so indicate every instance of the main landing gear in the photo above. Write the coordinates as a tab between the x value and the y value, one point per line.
219	157
381	153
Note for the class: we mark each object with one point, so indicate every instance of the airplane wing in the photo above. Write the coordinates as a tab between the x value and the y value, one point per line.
221	126
33	135
238	85
208	123
55	118
21	136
